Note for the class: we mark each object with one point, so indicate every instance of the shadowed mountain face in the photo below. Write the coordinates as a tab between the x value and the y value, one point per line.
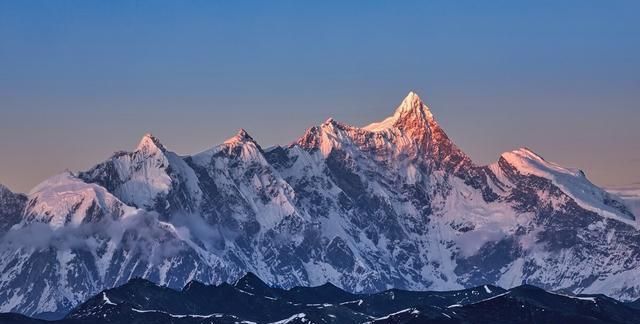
395	204
250	300
11	207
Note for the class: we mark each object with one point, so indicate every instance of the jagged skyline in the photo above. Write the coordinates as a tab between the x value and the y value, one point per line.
393	204
411	100
82	80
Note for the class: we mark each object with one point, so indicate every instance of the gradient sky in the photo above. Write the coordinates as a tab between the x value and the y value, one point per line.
82	79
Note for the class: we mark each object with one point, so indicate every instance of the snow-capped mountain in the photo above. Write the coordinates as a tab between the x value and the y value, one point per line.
151	178
392	204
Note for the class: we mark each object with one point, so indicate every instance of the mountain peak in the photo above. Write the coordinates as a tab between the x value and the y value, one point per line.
240	137
150	143
242	133
6	191
525	156
251	283
329	121
412	108
412	112
411	102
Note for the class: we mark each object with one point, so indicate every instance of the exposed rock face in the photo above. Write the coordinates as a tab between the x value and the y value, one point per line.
12	207
392	204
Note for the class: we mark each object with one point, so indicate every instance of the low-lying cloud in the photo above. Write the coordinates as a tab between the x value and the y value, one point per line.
142	233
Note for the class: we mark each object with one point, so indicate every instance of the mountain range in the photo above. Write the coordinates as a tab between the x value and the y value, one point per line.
250	300
395	204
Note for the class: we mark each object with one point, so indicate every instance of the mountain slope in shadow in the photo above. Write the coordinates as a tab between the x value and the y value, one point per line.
250	300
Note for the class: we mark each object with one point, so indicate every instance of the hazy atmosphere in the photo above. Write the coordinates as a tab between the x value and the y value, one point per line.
82	79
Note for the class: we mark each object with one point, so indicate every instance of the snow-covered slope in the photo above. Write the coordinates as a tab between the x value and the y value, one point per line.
66	200
75	238
151	177
630	195
572	182
392	204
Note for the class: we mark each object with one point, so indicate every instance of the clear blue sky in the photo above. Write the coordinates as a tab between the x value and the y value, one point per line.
82	79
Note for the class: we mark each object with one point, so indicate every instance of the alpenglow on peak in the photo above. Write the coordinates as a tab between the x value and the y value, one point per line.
402	207
150	143
240	137
410	111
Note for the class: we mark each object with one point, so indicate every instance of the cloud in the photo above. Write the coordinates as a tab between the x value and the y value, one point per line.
471	242
142	234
